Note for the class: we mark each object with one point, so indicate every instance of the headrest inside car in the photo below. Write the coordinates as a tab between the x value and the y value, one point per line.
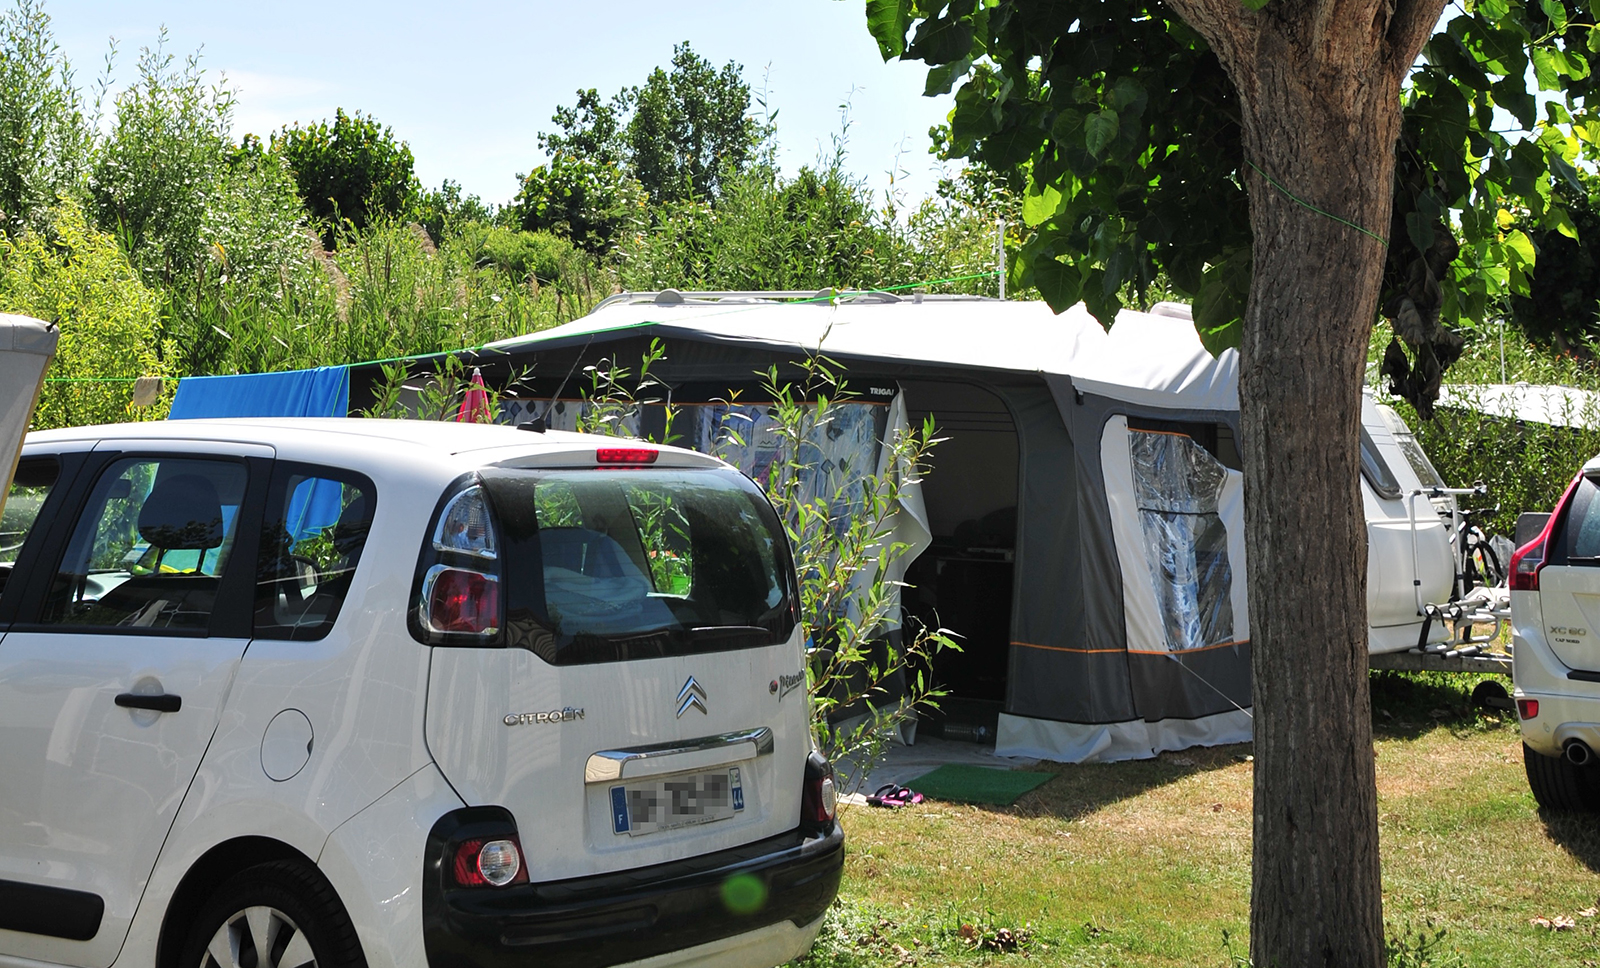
182	513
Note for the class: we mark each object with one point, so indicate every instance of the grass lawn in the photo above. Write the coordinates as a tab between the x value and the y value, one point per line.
1148	862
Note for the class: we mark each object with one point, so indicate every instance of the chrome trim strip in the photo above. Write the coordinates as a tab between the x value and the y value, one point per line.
607	765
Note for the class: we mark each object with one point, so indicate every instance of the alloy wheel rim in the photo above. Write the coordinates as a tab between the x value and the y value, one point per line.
259	937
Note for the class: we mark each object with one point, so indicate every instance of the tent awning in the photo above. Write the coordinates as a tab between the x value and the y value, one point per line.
1145	357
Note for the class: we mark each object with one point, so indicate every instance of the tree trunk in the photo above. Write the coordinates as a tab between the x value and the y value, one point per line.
1318	84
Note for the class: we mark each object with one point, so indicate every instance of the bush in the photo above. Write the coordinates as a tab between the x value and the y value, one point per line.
523	256
84	283
353	169
589	202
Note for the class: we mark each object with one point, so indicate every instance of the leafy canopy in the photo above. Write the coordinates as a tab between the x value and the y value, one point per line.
1126	132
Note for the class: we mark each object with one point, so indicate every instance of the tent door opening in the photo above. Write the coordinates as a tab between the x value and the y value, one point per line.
963	581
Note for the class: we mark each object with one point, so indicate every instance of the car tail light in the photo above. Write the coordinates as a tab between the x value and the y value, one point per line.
628	456
1528	559
489	863
1528	708
461	600
819	804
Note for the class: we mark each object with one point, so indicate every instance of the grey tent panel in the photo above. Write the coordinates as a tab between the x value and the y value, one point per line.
1189	686
1058	670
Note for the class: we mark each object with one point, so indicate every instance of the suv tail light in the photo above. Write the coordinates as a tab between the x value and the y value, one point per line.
819	803
1528	708
1528	559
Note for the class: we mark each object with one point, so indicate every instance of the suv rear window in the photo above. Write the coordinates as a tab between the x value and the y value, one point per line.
608	566
1578	542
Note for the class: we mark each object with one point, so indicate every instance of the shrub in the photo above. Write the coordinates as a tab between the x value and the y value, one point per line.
587	201
83	282
353	169
523	256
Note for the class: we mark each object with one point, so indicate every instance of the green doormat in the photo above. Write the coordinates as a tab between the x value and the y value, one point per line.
977	784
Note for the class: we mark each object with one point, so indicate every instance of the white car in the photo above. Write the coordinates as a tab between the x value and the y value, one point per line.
276	693
1555	619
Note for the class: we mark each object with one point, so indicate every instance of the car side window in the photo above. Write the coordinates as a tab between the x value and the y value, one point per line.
311	541
150	547
30	487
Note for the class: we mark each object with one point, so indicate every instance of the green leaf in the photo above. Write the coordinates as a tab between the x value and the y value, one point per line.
1099	130
1042	206
1548	66
1520	249
941	78
1129	97
1060	283
1255	4
1220	303
1557	12
943	39
888	21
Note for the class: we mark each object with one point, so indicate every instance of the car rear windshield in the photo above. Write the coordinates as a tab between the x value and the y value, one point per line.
608	566
1578	540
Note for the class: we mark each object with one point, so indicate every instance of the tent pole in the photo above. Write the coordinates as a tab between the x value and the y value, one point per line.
1000	253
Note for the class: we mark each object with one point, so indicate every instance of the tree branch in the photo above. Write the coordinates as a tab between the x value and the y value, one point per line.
1227	25
1409	28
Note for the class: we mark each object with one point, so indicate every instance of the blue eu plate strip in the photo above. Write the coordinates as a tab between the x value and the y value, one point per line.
619	809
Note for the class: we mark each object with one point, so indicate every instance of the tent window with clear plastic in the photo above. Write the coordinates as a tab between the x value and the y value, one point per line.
1176	488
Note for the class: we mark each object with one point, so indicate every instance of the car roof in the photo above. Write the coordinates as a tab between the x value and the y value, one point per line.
439	437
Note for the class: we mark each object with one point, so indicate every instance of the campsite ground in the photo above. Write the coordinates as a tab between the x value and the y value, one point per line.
1148	863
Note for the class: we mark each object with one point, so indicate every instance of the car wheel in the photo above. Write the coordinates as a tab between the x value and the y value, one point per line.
1558	785
276	915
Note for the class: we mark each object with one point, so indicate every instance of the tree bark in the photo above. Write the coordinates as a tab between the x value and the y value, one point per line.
1319	84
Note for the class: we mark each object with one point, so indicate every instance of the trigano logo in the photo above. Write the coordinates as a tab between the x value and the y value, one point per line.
783	685
567	715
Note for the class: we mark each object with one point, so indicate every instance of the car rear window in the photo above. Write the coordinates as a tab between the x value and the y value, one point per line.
608	566
1578	542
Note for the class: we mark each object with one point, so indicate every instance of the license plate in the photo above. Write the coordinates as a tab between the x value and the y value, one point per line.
682	800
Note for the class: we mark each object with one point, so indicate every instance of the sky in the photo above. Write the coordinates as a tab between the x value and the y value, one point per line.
470	84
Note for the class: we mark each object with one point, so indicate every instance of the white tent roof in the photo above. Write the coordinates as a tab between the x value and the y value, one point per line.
1151	357
1555	405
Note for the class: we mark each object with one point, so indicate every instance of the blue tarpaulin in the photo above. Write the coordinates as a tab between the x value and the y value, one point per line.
322	392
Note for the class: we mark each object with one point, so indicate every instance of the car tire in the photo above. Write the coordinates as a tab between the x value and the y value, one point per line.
1559	785
276	915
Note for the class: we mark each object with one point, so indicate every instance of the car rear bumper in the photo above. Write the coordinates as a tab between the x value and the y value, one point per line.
1569	700
653	915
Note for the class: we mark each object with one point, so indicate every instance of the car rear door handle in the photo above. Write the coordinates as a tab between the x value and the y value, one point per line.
163	703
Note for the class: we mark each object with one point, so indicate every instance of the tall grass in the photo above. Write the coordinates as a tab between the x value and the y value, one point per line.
387	291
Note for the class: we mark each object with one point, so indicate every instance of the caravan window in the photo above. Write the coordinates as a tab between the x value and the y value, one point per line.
1415	455
1376	471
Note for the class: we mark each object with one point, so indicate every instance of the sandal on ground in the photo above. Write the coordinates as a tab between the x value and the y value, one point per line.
894	795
